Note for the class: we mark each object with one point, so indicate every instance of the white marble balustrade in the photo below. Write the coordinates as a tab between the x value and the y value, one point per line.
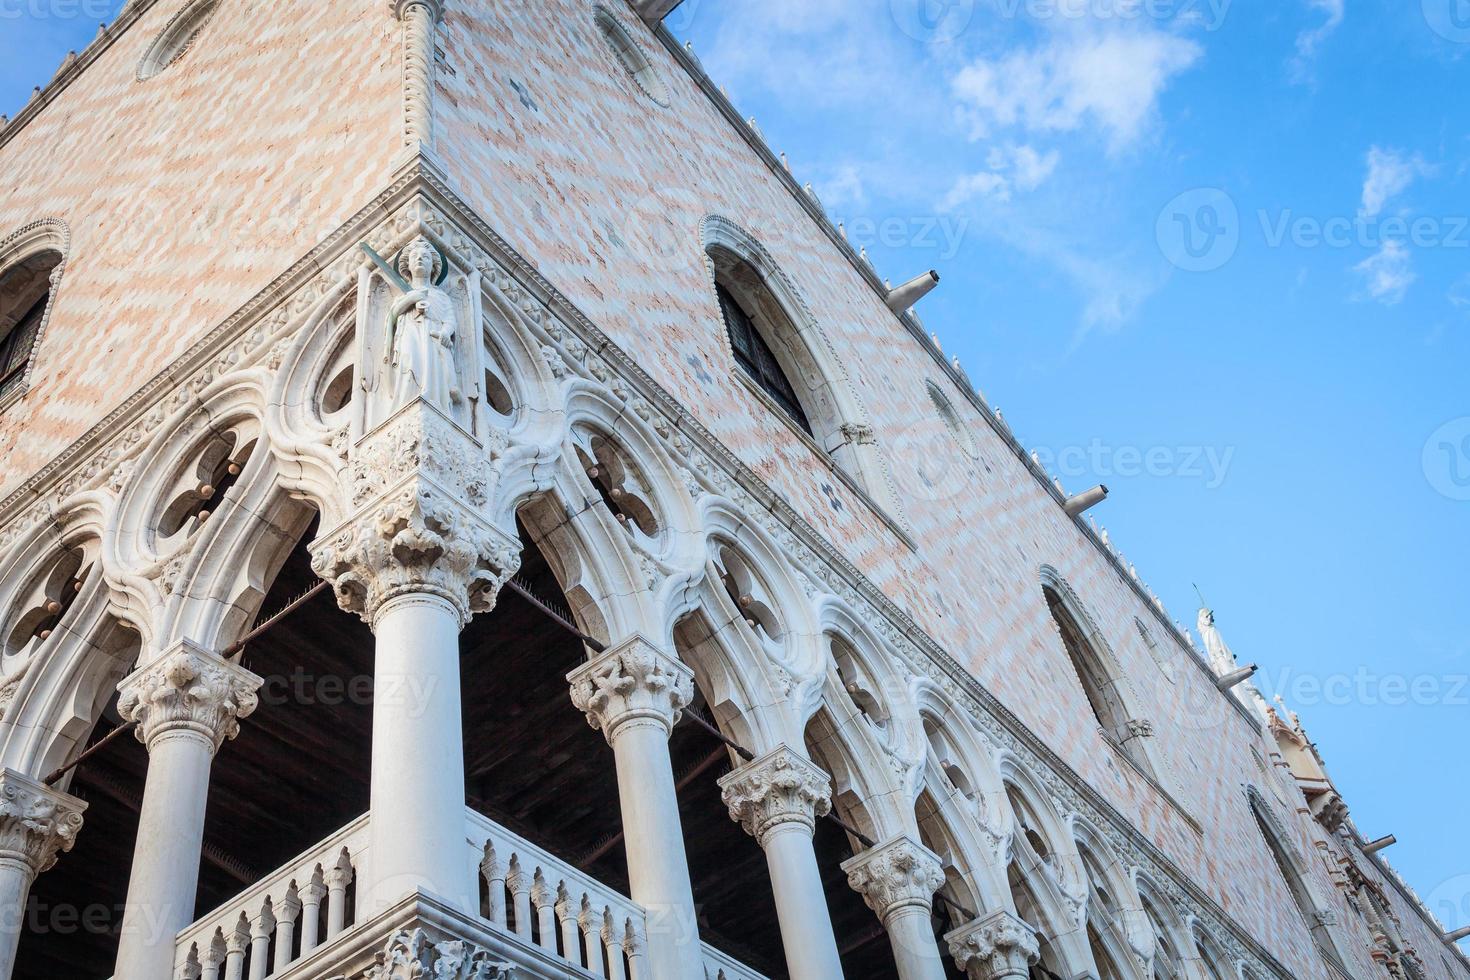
533	898
282	918
720	966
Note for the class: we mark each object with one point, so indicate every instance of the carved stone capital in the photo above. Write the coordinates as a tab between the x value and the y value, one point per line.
999	946
36	821
422	484
779	788
634	682
1140	728
411	955
188	689
402	8
896	875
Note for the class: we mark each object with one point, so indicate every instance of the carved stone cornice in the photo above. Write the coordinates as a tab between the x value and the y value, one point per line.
778	789
999	946
896	875
411	955
36	821
421	484
632	683
189	689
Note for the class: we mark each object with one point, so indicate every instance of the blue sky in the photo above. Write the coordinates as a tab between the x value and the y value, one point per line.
1215	254
1279	400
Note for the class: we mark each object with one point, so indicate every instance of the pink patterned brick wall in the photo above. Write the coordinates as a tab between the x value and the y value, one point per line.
565	155
188	193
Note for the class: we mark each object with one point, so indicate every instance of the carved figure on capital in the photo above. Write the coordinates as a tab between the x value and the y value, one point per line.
419	336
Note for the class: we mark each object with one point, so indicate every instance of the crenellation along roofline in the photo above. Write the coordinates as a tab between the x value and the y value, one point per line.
48	93
687	60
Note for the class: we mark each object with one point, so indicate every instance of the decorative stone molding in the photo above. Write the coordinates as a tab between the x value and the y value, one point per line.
779	788
421	483
420	19
411	955
633	683
188	689
263	335
896	875
999	946
36	821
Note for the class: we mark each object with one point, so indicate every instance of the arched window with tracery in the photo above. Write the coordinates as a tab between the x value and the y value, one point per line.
781	353
26	291
757	360
1098	682
1295	880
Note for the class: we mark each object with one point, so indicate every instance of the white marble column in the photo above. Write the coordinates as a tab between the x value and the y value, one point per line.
416	561
418	804
634	693
998	946
777	799
186	703
36	822
897	880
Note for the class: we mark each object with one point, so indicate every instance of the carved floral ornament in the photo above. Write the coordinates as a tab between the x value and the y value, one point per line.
779	789
999	946
411	955
631	683
36	822
896	875
394	538
188	689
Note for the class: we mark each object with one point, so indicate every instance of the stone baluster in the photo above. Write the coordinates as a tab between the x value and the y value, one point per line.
634	693
213	959
547	904
494	874
261	928
187	703
337	878
777	799
311	912
897	880
416	562
566	917
612	946
236	943
590	924
286	911
36	824
998	946
519	884
636	949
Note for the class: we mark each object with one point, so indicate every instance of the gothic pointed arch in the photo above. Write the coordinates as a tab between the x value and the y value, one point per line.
32	260
778	347
1108	692
1315	914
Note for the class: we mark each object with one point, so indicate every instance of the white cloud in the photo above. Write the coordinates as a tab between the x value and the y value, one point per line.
987	185
1390	173
1031	168
1109	81
1388	275
1309	42
844	189
1012	168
